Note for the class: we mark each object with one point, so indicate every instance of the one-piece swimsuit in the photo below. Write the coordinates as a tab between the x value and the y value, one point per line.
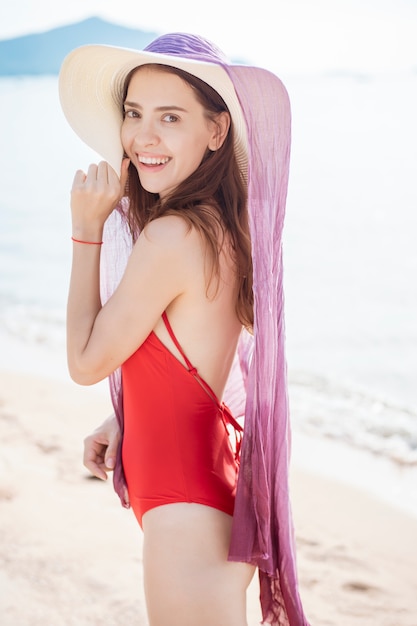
176	442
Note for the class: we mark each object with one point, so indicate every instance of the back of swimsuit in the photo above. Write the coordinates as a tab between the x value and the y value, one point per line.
176	445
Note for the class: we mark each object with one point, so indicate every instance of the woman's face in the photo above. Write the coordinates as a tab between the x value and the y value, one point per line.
165	131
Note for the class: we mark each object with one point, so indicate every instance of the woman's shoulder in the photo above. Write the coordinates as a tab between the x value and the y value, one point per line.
170	227
170	242
171	231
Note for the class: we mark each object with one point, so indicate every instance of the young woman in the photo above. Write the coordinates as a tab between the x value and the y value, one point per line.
172	324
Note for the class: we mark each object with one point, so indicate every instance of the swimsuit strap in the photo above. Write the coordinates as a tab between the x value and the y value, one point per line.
190	366
225	411
176	342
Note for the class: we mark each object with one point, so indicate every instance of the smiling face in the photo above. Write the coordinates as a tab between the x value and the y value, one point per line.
166	131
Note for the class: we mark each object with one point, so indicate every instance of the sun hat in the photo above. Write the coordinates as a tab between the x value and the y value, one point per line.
90	86
92	80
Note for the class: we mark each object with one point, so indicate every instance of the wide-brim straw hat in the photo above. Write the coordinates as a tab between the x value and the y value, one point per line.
92	80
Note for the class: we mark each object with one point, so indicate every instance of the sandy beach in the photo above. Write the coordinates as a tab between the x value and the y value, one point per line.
71	556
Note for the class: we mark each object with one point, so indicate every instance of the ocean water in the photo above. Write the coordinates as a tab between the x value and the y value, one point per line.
350	254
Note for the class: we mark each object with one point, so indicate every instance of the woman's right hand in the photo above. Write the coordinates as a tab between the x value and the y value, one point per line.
94	195
100	448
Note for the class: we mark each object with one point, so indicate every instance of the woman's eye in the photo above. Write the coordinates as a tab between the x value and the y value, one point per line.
131	113
170	118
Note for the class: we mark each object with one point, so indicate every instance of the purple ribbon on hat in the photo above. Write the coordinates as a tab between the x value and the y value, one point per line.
188	46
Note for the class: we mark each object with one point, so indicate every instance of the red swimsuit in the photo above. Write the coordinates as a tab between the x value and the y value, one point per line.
176	445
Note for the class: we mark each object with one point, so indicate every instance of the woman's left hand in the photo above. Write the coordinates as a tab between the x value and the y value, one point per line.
100	448
94	196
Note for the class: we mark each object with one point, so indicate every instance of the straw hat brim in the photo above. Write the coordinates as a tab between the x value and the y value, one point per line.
91	83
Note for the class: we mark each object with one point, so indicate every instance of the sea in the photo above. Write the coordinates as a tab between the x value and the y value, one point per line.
350	254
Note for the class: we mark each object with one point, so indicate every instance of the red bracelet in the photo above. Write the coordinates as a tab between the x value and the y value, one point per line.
90	243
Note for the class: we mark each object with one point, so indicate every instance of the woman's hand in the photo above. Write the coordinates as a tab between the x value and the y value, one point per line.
100	448
94	196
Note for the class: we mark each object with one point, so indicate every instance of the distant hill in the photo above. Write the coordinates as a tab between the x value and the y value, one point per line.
43	53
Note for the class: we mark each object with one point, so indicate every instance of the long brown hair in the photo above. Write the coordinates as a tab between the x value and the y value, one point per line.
213	199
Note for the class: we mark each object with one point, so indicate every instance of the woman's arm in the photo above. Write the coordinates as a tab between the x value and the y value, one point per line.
93	197
100	339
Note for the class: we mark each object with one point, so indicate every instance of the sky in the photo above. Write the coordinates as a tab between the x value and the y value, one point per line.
282	35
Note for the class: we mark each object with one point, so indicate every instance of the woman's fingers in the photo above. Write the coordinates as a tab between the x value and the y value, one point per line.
94	195
124	174
100	448
103	173
103	178
94	454
113	444
79	178
92	173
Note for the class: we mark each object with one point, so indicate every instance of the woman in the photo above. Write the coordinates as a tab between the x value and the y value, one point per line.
173	324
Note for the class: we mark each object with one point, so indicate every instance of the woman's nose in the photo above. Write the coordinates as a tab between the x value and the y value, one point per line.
147	135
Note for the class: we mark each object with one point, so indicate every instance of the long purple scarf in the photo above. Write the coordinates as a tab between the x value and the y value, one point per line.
262	524
257	387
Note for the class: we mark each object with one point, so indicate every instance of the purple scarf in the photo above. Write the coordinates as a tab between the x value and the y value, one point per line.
257	387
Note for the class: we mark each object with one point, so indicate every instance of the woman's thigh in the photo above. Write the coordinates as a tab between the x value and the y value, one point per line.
188	579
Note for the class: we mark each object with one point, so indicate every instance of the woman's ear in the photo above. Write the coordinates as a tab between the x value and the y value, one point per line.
221	127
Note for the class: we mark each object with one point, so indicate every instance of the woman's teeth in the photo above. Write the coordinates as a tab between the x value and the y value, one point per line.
153	160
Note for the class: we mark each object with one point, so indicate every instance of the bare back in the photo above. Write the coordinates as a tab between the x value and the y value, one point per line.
204	315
